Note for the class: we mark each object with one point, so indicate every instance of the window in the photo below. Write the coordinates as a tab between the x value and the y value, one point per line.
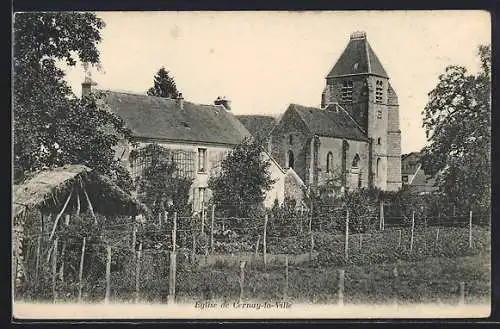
355	161
347	91
290	139
290	159
329	162
378	141
202	160
405	179
379	167
378	91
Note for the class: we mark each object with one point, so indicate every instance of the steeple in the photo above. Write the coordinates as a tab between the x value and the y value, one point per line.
358	58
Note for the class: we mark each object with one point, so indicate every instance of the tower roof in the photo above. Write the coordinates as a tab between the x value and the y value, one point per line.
358	58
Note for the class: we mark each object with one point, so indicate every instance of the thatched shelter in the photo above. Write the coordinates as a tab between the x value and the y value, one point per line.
51	188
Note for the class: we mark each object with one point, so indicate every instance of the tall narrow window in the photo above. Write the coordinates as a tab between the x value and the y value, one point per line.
379	169
347	91
202	160
329	162
290	139
355	161
290	159
378	91
378	141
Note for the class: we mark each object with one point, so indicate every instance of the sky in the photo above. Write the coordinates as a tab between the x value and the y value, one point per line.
263	61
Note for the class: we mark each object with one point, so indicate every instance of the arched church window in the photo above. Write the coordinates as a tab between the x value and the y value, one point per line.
378	141
355	161
379	169
378	91
329	162
290	159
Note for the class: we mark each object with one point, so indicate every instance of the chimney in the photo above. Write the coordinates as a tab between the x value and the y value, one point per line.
180	101
87	86
224	102
358	35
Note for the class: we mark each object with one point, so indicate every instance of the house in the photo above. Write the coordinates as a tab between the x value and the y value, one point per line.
413	176
197	136
354	137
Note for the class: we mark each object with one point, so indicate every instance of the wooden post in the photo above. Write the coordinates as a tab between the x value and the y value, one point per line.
91	209
341	287
37	266
437	235
212	230
312	247
193	248
56	221
360	241
396	284
171	278
347	235
381	215
138	272
202	219
80	272
242	278
61	269
285	292
174	233
77	202
470	229
257	246
462	293
399	239
134	238
311	217
412	230
264	245
108	274
159	220
54	270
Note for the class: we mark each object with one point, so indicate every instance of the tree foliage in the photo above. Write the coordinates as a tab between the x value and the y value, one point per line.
241	185
457	123
164	85
52	127
160	186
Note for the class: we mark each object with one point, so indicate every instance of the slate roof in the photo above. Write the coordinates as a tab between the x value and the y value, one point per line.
259	126
329	122
358	58
162	118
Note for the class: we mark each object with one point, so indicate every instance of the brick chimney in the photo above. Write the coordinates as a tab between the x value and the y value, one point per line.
87	86
224	102
180	101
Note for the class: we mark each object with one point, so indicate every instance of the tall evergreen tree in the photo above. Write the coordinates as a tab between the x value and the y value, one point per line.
164	85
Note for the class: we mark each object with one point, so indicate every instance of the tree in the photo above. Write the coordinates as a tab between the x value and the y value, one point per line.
52	127
457	123
160	186
164	85
241	185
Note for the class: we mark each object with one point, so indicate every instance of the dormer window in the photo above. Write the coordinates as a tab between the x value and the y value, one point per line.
378	91
347	91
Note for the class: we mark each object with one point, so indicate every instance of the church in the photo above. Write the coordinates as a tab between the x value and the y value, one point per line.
354	138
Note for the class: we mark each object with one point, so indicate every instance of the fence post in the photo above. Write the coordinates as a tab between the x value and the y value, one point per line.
54	270
462	293
134	238
37	268
341	287
381	215
264	245
347	235
412	229
202	219
257	246
437	235
108	274
80	272
171	278
470	229
138	272
212	230
399	238
312	247
159	220
193	248
285	292
242	278
174	233
360	241
61	268
396	284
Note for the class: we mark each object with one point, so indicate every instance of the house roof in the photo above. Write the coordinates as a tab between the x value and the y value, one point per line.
358	58
259	126
330	122
422	182
162	118
410	170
